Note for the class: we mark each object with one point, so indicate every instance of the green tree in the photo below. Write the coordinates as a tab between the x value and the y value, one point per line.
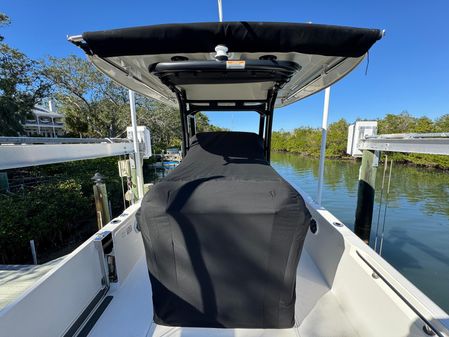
21	88
162	120
164	123
391	123
4	20
423	125
442	124
337	139
93	105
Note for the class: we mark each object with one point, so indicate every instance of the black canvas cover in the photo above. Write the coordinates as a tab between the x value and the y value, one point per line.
223	234
239	36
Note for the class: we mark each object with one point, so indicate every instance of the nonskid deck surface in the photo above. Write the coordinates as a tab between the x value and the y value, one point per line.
318	312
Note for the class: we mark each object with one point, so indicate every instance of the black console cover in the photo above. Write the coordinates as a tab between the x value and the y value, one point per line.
223	234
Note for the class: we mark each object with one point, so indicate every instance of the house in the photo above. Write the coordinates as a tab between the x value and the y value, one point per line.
44	122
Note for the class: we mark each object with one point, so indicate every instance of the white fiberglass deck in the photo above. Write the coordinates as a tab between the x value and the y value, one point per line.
132	303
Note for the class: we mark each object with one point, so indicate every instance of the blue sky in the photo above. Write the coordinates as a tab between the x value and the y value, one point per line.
408	69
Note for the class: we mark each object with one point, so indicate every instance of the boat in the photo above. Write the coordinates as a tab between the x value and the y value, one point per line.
171	158
223	246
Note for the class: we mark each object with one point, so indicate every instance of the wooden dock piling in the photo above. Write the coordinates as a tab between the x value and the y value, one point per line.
365	196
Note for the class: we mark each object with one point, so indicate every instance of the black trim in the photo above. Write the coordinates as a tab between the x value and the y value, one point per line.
269	123
86	312
95	317
192	125
261	125
183	113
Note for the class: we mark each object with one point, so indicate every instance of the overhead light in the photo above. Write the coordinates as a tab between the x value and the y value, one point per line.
221	53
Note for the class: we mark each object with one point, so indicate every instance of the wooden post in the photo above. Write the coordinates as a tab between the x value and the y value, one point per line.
33	251
365	196
101	201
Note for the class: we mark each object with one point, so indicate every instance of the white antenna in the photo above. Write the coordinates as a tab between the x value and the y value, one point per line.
220	11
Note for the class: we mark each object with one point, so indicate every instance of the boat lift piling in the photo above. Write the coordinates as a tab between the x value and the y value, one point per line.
363	141
365	195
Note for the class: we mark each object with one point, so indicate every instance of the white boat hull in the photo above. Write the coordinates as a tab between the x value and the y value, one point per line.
343	289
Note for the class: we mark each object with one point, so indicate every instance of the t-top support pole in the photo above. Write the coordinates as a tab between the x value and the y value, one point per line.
137	157
324	125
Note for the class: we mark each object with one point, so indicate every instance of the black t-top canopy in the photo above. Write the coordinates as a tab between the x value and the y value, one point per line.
237	36
267	64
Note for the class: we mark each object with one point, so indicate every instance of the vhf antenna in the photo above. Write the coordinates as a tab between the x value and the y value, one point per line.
220	11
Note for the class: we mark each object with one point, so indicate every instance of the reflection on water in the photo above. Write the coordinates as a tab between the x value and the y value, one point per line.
417	224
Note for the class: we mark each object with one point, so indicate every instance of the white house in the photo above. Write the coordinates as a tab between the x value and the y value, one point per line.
44	122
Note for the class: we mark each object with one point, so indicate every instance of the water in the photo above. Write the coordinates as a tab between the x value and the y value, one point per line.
416	239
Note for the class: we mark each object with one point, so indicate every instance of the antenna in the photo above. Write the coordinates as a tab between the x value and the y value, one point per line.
220	11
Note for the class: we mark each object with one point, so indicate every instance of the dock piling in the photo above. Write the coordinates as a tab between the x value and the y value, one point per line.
365	195
101	200
33	251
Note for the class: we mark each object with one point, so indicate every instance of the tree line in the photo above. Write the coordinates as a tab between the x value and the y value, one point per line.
307	140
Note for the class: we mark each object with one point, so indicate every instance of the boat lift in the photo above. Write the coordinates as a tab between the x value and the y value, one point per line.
424	143
34	151
364	142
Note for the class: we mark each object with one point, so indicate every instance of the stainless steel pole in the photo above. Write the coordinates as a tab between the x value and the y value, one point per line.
324	124
139	171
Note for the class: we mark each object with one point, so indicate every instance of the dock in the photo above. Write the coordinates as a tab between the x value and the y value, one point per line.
16	279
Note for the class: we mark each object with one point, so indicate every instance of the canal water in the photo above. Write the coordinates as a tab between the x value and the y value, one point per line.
416	236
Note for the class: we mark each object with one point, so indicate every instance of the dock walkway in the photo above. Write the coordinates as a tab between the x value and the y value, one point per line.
16	279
